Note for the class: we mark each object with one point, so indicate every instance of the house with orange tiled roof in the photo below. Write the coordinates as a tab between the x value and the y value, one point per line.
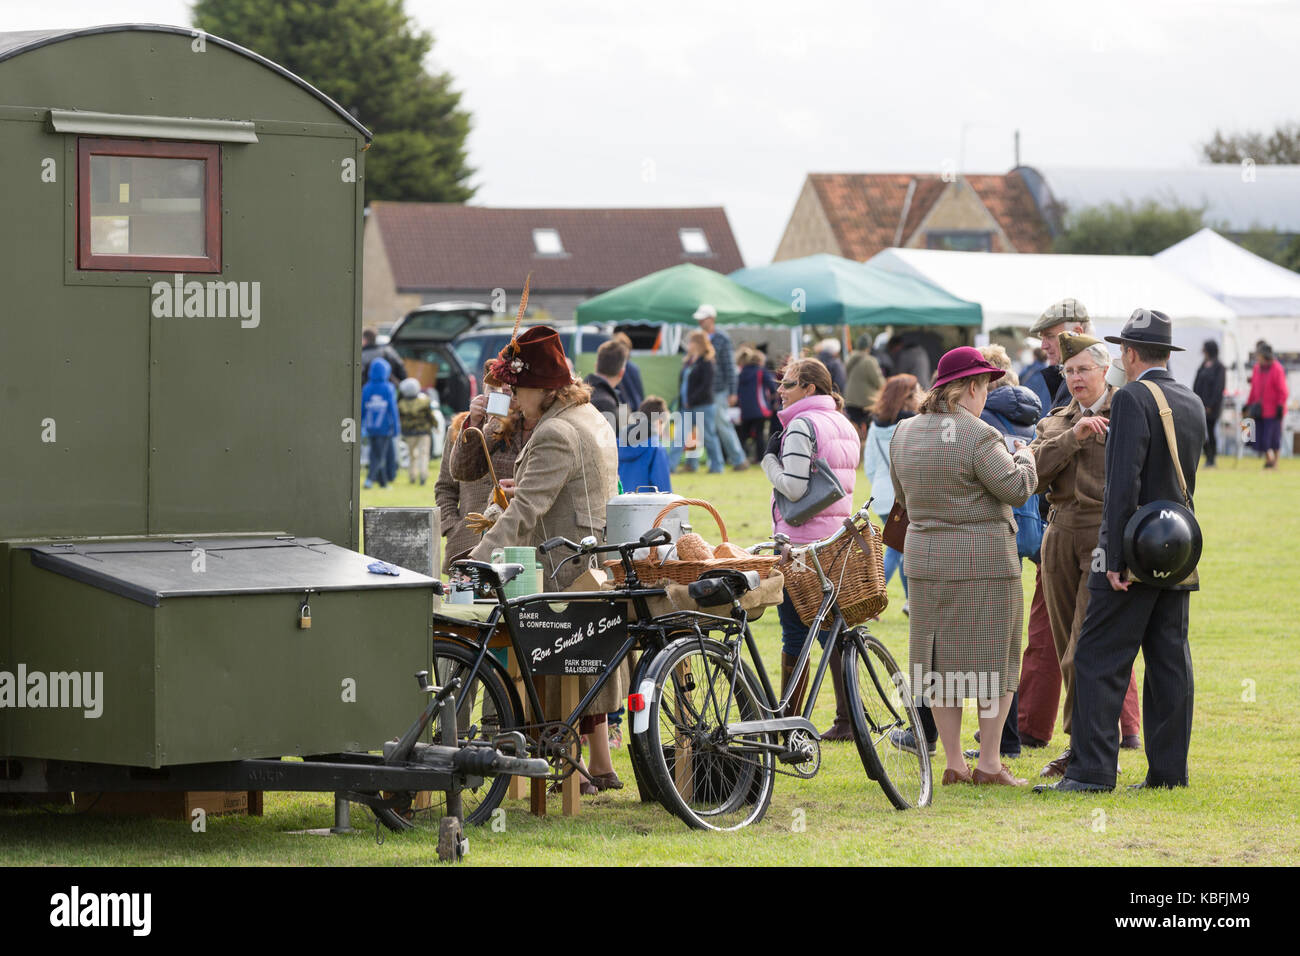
856	215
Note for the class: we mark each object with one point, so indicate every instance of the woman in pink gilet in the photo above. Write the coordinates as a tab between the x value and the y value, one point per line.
810	406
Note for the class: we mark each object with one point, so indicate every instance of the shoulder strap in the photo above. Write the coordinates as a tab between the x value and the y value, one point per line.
812	434
1167	420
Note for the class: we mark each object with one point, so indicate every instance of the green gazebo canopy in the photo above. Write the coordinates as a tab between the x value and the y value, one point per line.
672	295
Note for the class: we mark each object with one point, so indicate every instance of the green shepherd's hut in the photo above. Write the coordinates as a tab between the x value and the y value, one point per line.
179	373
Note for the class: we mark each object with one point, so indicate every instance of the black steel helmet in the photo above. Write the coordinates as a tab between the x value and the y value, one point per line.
1162	543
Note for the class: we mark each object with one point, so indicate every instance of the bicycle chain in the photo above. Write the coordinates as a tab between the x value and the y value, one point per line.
776	766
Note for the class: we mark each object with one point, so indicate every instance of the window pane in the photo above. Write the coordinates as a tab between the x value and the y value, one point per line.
547	242
694	242
145	206
960	241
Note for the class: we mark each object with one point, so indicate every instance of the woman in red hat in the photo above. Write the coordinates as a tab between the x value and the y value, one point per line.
954	475
566	472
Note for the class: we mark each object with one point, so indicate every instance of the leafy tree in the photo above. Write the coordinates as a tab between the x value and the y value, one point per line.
1113	229
367	56
1281	147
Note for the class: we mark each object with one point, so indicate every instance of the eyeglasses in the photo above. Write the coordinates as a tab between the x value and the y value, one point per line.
1085	370
788	385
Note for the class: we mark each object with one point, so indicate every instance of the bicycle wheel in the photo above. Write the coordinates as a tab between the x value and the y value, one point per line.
710	781
489	706
884	703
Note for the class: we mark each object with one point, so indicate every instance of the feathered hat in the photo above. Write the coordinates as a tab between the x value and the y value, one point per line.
534	359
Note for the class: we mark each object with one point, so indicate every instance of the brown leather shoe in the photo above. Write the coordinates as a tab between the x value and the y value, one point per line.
1057	767
607	781
839	732
952	775
1002	777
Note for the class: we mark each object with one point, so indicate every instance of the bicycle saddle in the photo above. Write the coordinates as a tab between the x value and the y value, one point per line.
722	586
493	575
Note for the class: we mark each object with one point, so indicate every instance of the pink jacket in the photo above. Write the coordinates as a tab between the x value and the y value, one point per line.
837	443
1268	387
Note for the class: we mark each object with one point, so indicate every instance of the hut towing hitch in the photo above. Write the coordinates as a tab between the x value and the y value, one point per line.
505	754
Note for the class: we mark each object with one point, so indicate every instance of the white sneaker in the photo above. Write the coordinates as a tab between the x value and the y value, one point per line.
905	614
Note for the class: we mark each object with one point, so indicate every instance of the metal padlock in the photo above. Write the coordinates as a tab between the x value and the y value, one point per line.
304	616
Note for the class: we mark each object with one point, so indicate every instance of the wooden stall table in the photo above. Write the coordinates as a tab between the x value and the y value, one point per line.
457	618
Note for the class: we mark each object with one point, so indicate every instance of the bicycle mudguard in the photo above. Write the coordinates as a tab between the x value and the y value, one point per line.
641	718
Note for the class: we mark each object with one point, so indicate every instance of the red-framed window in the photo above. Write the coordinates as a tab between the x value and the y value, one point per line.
148	206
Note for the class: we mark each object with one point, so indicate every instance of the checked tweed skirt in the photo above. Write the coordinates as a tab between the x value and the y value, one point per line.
964	638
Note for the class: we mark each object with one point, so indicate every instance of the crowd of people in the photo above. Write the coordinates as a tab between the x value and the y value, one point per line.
991	468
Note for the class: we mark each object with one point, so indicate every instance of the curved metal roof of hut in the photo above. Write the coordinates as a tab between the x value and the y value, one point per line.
16	43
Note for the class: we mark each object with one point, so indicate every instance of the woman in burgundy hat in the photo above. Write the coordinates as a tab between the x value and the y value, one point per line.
566	472
954	475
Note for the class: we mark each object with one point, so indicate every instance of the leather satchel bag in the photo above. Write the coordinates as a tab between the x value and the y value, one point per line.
824	489
895	531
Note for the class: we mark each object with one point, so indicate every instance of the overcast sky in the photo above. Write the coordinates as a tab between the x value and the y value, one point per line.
579	103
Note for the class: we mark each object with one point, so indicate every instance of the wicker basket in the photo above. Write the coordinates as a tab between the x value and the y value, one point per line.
860	587
651	570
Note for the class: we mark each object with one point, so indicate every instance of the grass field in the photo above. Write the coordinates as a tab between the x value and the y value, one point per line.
1241	808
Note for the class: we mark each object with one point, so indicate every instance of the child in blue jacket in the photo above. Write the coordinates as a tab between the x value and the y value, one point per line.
642	460
379	420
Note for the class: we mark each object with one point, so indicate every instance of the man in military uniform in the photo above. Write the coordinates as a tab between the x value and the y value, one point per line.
1070	452
1124	615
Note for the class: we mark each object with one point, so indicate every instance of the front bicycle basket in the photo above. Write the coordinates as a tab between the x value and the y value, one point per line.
857	577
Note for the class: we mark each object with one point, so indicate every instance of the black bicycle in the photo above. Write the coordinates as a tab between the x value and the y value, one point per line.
712	731
489	708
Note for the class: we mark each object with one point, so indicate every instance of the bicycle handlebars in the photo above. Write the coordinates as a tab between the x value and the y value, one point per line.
652	538
777	545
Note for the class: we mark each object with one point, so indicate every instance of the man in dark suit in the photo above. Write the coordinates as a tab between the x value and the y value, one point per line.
1125	615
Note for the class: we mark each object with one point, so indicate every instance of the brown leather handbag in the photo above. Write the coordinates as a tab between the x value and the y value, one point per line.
895	531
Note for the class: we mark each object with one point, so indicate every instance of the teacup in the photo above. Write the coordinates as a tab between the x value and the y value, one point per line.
498	404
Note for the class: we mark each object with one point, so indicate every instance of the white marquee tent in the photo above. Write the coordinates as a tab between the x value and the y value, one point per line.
1014	288
1265	296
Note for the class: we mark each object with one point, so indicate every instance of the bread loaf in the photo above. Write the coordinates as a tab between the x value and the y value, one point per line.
691	547
729	550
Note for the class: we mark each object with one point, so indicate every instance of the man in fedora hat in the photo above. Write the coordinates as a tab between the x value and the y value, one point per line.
1125	615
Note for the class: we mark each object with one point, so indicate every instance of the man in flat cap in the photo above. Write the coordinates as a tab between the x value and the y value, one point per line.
1125	615
1040	671
1070	452
1068	315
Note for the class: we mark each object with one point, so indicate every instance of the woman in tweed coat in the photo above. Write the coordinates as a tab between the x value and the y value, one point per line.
957	480
563	478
